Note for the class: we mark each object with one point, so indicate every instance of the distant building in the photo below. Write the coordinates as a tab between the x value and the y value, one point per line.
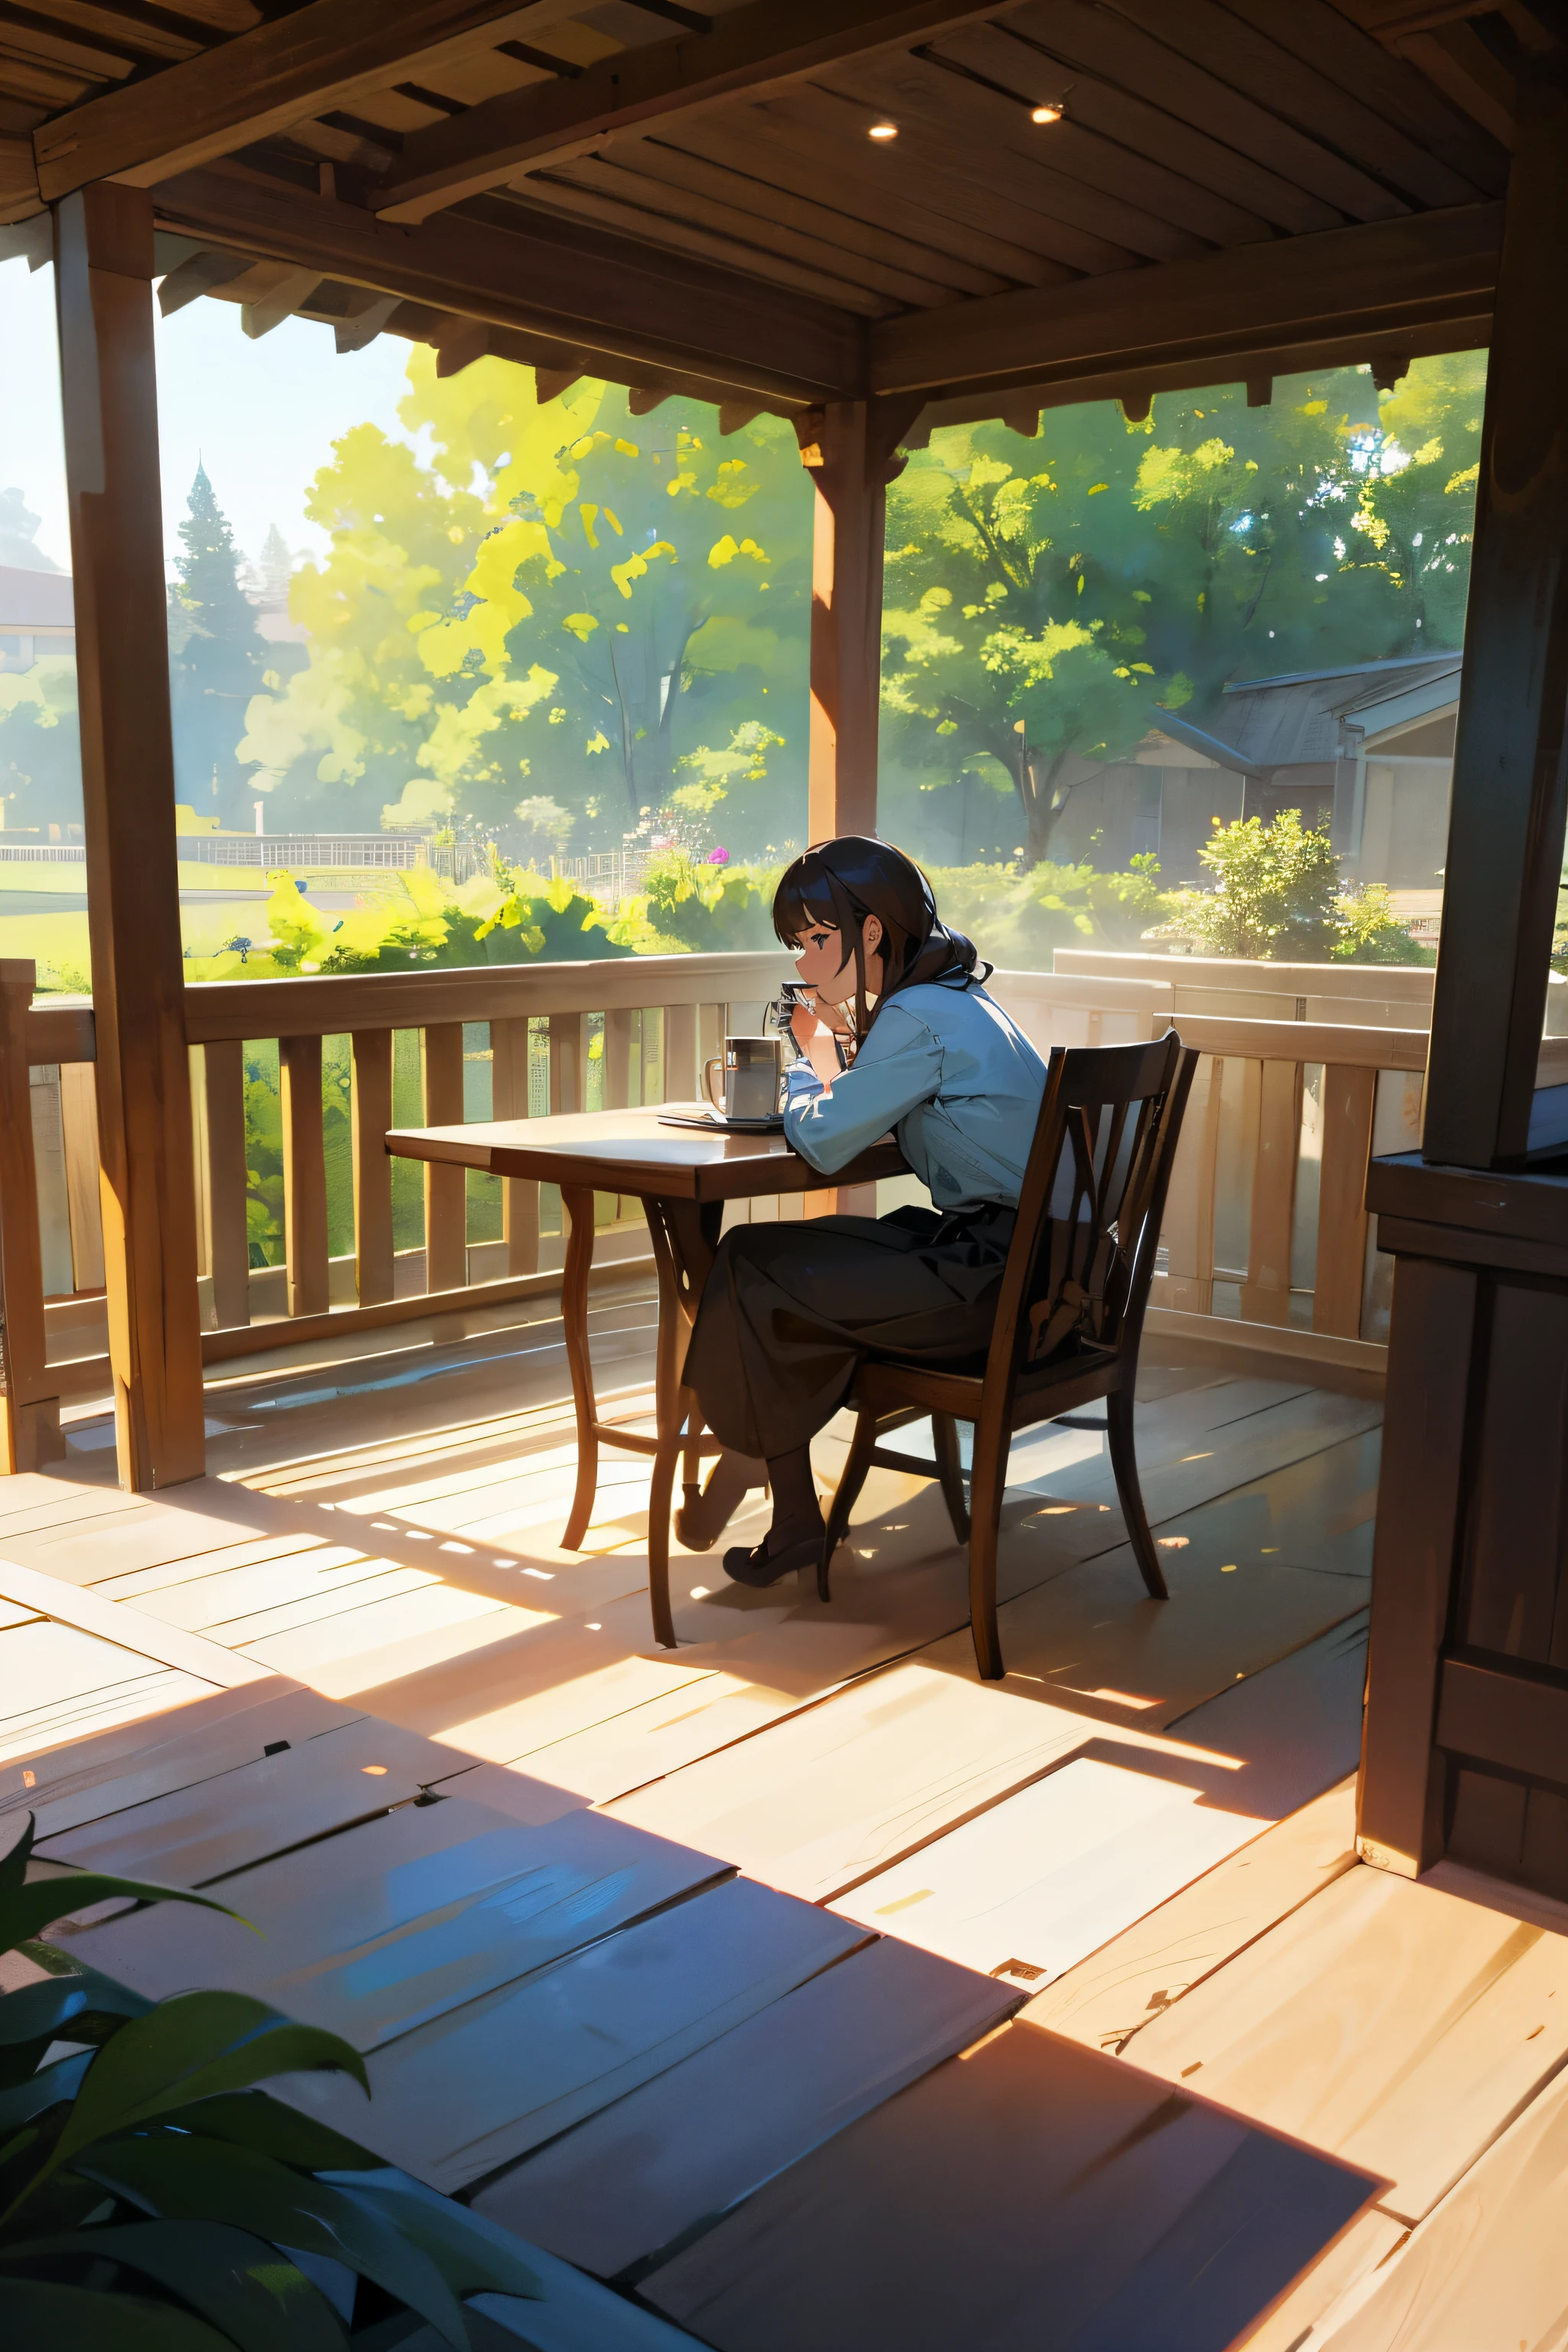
1370	749
37	616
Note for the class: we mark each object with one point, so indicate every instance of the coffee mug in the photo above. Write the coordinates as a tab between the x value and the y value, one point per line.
750	1073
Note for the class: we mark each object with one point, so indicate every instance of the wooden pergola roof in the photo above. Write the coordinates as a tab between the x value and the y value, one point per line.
687	198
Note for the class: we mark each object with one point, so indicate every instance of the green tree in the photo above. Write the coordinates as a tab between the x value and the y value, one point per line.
557	609
1046	599
217	659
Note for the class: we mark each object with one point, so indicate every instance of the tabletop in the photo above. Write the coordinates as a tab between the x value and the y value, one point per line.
630	1152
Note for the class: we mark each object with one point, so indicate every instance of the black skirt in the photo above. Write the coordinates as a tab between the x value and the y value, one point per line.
789	1311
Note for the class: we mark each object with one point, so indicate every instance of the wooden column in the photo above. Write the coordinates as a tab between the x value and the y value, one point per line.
1506	818
104	250
850	448
32	1415
1467	1716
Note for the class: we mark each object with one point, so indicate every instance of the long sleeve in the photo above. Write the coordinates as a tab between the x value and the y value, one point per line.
899	1067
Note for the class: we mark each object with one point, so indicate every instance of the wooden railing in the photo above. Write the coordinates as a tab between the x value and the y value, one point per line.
1266	1240
501	1041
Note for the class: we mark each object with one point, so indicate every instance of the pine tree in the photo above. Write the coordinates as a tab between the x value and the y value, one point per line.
276	568
217	656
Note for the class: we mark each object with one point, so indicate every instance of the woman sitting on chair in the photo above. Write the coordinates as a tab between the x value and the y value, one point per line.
900	1035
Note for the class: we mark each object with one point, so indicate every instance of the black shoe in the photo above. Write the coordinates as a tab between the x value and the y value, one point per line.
764	1567
703	1517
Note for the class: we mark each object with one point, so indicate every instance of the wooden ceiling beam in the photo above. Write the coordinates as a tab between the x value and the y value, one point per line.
1427	268
749	53
582	287
323	55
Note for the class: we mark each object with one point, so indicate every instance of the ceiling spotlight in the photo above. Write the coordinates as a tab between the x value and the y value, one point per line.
883	130
1045	113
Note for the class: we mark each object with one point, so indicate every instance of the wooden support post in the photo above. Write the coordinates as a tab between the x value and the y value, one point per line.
228	1229
849	447
304	1175
370	1116
32	1414
1506	817
508	1099
103	286
446	1189
1469	1591
1350	1101
79	1117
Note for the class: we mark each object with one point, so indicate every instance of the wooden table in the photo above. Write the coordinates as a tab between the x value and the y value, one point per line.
683	1179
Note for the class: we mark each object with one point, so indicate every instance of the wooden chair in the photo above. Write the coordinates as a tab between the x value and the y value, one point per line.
1069	1315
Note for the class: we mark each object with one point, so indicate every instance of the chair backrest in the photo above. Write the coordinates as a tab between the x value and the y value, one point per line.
1082	1254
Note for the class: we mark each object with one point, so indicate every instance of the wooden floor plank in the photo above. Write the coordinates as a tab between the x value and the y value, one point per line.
1108	1997
1390	2023
64	1722
1032	2192
1489	2267
1032	1885
87	1614
456	2100
614	2194
209	1733
399	1920
262	1807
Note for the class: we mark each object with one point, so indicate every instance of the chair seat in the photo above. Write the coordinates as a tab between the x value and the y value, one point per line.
885	1383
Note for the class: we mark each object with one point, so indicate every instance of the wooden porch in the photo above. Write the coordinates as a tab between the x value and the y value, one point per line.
1142	1840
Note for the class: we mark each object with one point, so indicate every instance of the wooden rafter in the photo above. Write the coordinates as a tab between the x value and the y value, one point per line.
1380	276
751	52
595	293
321	57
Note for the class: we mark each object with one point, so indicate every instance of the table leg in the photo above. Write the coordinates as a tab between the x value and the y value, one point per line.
578	1204
685	1239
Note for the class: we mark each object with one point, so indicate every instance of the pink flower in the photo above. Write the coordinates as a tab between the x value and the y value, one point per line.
717	857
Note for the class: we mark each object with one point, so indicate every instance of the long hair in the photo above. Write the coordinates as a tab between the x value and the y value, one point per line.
840	883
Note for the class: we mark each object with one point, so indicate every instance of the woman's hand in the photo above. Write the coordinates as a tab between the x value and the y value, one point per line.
811	1028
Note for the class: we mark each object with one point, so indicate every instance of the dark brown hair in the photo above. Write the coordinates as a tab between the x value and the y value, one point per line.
840	883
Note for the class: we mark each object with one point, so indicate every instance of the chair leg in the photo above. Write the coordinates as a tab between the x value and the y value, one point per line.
945	1431
1124	1463
986	1485
847	1493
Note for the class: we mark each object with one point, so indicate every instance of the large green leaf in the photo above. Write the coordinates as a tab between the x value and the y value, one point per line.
189	2048
176	2175
38	2010
15	1859
255	2119
245	2287
43	2317
26	1911
23	2101
473	2255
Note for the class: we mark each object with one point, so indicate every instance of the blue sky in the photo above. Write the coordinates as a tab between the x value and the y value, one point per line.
260	415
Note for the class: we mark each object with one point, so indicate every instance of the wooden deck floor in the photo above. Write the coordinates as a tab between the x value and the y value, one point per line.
1146	1830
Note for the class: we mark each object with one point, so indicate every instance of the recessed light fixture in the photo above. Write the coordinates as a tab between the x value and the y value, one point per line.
883	130
1045	113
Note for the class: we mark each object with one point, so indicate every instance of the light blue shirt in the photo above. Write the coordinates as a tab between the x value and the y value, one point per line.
946	1070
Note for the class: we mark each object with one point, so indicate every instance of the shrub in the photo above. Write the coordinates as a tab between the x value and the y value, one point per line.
1279	897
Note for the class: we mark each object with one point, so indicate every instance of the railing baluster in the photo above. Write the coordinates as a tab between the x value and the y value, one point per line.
229	1230
304	1175
79	1115
32	1414
446	1189
1350	1097
682	1077
1189	1204
618	1031
1266	1293
370	1116
508	1099
568	1061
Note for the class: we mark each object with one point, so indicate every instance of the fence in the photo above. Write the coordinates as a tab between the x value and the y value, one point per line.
356	853
609	876
1267	1239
